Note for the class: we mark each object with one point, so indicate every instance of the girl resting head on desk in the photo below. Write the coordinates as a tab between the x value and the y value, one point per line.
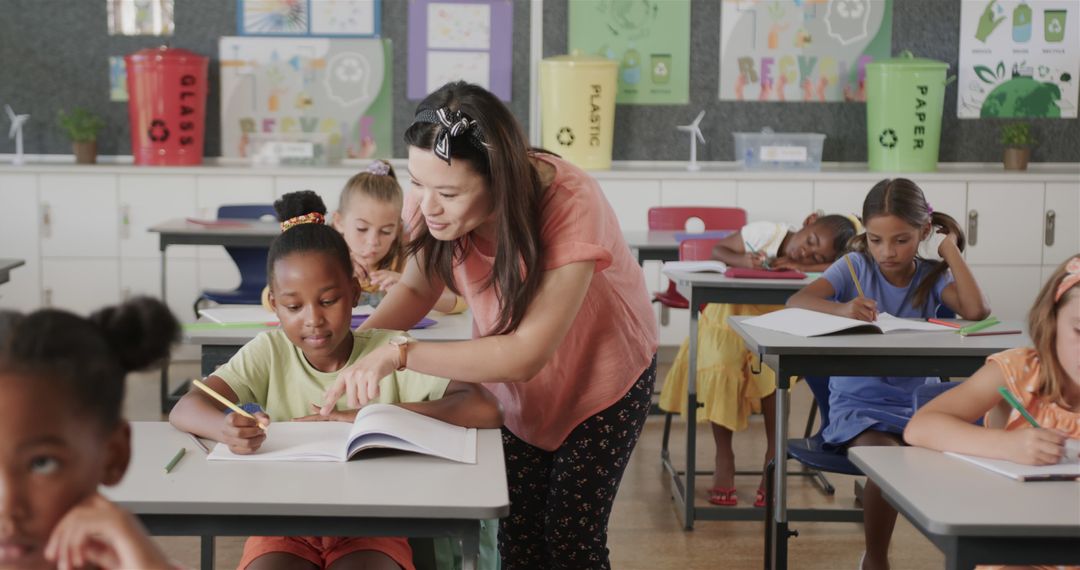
62	434
1044	378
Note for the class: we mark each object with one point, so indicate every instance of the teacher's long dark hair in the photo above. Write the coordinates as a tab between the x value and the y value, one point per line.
499	151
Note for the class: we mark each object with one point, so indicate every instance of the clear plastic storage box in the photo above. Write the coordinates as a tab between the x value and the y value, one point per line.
779	151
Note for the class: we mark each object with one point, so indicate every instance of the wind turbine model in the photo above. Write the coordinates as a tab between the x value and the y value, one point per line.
694	129
16	133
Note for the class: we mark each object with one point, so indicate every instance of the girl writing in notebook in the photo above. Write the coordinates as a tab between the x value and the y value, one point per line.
565	336
369	217
62	435
312	290
726	383
1044	378
893	279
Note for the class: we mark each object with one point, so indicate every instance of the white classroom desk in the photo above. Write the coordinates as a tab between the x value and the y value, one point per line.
896	354
700	288
973	515
407	495
217	346
6	265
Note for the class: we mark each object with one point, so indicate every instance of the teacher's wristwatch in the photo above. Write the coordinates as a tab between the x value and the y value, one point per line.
402	343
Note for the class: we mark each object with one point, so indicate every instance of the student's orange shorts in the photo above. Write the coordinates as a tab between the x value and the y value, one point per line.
323	551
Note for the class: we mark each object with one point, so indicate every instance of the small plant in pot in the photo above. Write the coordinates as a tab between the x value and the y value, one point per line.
82	127
1018	141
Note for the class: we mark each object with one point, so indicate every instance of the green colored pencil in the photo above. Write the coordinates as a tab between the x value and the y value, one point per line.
1018	406
975	327
764	262
176	459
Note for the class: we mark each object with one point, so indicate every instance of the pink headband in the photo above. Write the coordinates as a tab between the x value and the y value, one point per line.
1072	277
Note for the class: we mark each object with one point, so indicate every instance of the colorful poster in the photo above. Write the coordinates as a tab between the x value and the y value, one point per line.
332	92
801	50
304	18
1019	59
118	90
649	38
470	40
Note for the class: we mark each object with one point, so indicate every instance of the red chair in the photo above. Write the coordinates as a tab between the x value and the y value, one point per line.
675	219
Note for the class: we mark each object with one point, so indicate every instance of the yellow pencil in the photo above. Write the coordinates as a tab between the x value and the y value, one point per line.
225	401
853	276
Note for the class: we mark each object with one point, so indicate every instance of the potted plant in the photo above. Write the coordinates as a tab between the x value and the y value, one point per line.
1018	141
82	128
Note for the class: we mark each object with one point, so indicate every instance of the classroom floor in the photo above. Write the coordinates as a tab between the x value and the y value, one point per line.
644	532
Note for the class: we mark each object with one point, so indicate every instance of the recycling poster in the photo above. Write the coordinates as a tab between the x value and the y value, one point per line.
801	50
1018	58
650	39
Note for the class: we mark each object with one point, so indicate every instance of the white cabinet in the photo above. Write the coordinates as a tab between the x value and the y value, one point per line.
143	277
327	187
19	240
79	217
776	201
840	197
712	193
1004	223
1010	289
1061	223
81	285
147	200
631	201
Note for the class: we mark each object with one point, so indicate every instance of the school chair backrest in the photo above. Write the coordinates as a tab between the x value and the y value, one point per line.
250	261
697	249
674	218
811	451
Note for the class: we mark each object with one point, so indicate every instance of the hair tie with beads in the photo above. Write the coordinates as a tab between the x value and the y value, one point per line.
1072	277
309	218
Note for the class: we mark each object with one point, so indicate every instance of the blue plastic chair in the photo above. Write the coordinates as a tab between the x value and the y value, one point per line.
251	261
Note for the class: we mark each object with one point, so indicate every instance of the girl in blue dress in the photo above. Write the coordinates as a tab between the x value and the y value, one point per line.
897	281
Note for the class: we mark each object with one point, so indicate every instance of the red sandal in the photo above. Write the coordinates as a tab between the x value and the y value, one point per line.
723	496
759	498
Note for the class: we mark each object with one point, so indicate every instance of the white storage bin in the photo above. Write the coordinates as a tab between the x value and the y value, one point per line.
779	151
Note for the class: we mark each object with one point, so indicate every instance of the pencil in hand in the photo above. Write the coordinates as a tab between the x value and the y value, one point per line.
854	277
1017	406
210	391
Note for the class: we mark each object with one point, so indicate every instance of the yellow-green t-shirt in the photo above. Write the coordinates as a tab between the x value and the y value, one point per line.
273	372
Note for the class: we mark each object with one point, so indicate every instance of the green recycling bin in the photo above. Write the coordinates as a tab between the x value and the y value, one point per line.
904	100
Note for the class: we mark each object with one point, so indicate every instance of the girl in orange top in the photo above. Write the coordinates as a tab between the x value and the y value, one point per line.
1044	378
564	332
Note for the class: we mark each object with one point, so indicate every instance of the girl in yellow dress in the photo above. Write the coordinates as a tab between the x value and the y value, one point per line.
726	384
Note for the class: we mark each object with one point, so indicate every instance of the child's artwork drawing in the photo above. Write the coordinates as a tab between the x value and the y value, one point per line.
346	18
333	91
470	40
117	79
140	17
1019	59
801	50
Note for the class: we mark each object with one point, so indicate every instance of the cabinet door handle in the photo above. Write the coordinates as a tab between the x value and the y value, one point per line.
125	221
1048	233
973	227
46	220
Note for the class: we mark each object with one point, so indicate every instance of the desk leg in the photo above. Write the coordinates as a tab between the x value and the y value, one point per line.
780	521
691	415
206	556
470	547
165	407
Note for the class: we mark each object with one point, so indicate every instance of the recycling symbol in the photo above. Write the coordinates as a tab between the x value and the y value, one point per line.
158	132
850	10
660	69
888	138
565	136
1054	26
349	71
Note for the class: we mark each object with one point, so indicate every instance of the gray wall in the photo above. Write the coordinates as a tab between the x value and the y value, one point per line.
53	54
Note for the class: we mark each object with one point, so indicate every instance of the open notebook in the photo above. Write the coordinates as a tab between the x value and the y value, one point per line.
1067	469
802	322
696	266
377	426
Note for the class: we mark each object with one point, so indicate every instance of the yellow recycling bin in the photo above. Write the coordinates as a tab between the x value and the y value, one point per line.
577	108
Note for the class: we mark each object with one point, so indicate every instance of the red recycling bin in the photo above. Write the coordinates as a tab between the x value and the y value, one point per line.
167	105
